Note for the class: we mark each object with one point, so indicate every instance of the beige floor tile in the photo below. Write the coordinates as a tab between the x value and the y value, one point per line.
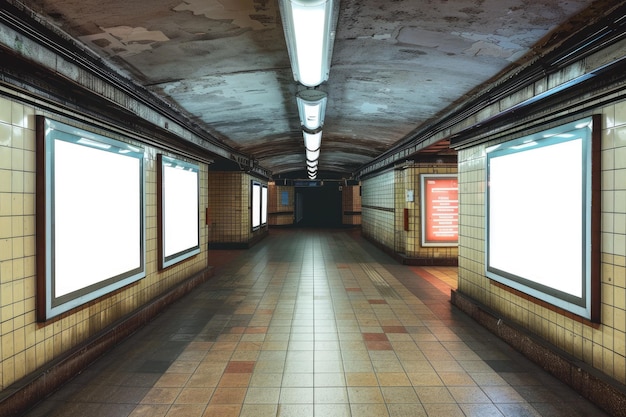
369	410
218	410
195	396
393	379
296	395
186	410
361	379
161	396
262	395
370	395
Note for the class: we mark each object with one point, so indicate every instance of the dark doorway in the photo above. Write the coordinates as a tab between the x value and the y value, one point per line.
319	206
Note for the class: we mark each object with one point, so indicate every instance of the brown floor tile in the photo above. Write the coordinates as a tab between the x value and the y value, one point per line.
170	380
195	396
161	396
237	330
374	337
224	346
256	330
394	329
235	380
249	346
378	345
204	380
222	411
240	367
223	396
150	410
186	410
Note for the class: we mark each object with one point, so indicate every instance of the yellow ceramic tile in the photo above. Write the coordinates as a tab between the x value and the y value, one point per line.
5	111
5	155
17	205
17	114
6	227
8	371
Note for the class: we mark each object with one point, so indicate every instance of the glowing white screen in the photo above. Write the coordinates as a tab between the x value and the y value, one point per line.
97	216
180	209
263	205
536	215
256	205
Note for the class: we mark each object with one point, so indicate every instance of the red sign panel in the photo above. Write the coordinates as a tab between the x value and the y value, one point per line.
440	208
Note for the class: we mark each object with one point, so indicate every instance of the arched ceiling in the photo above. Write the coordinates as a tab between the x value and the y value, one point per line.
396	66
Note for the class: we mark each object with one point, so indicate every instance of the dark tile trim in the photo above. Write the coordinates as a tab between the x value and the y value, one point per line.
606	393
406	260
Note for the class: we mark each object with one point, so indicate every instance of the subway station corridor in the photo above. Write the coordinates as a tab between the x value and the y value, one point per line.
315	323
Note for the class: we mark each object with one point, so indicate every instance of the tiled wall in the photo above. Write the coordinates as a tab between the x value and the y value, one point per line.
377	208
602	346
25	344
384	202
409	179
229	208
279	214
351	204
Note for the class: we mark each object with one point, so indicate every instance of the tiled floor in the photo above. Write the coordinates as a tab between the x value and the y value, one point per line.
315	323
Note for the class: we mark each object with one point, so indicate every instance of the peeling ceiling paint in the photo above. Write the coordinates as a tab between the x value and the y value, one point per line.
396	66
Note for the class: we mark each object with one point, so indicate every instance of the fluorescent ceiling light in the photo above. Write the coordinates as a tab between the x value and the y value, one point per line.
312	141
309	27
311	164
311	108
312	155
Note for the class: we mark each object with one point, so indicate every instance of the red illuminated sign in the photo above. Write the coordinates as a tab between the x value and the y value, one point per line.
440	210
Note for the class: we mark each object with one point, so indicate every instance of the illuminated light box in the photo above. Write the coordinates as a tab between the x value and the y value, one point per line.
178	210
263	205
439	205
90	216
542	219
256	205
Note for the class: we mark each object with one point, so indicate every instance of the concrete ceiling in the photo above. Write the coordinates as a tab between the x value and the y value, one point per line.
397	65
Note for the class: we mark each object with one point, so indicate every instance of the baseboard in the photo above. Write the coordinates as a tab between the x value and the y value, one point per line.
590	383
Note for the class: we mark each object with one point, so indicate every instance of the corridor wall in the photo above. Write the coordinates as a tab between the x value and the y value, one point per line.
230	210
392	214
29	345
602	344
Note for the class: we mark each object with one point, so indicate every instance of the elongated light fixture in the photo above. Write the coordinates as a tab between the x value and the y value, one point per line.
312	155
311	108
309	27
312	141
